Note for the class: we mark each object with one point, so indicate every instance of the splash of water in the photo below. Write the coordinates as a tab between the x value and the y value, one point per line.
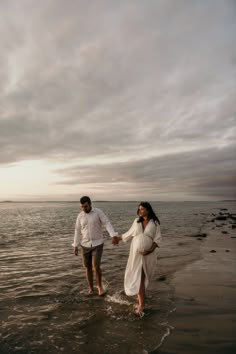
117	298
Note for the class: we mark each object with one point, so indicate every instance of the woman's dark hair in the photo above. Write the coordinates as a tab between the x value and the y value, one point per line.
151	213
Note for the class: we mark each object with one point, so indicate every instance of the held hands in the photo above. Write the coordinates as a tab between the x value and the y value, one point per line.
115	240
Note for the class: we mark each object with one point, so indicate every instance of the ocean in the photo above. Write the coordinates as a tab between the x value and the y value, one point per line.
44	307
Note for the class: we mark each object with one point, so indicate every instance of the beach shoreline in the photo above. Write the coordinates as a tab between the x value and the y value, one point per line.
204	320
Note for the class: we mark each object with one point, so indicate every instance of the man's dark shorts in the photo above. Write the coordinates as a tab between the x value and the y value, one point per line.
92	255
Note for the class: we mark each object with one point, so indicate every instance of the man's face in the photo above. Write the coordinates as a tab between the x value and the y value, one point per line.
86	207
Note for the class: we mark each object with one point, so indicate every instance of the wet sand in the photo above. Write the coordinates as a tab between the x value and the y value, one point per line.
204	320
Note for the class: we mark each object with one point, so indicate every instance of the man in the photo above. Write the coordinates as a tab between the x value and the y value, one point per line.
89	235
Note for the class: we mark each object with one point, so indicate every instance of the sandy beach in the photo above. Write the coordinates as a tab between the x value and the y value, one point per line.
204	320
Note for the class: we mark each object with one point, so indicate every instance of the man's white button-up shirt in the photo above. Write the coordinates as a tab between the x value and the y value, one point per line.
88	228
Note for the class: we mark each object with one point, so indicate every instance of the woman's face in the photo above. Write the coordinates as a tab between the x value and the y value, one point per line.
142	211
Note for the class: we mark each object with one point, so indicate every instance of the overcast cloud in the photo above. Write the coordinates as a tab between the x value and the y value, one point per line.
130	95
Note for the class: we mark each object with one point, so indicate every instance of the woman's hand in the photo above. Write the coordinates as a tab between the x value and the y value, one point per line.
145	253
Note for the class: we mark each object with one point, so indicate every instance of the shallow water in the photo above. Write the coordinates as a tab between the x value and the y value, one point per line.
44	306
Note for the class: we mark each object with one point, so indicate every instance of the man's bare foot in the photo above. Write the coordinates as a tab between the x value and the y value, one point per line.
101	292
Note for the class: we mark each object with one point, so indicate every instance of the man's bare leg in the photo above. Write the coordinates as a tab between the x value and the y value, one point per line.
96	261
98	275
89	276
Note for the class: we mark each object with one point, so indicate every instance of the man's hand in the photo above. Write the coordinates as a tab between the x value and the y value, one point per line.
76	251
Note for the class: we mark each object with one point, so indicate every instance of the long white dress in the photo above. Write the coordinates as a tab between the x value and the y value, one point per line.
140	240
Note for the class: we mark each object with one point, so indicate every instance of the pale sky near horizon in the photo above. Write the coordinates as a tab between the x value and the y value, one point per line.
119	100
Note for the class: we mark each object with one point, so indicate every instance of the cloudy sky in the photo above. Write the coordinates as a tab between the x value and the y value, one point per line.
121	100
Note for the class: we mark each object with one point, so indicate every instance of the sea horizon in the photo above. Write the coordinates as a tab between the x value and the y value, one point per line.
118	201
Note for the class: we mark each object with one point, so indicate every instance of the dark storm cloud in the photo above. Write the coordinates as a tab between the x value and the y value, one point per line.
208	172
121	80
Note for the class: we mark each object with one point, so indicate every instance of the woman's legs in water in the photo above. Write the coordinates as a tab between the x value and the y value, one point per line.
141	293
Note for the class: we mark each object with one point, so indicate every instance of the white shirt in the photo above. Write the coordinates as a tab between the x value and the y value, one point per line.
88	228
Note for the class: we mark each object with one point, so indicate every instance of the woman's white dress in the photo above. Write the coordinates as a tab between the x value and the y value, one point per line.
140	240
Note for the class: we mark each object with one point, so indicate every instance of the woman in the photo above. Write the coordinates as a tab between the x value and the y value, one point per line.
146	236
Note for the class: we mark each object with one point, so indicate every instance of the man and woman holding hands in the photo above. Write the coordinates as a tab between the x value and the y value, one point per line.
145	236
